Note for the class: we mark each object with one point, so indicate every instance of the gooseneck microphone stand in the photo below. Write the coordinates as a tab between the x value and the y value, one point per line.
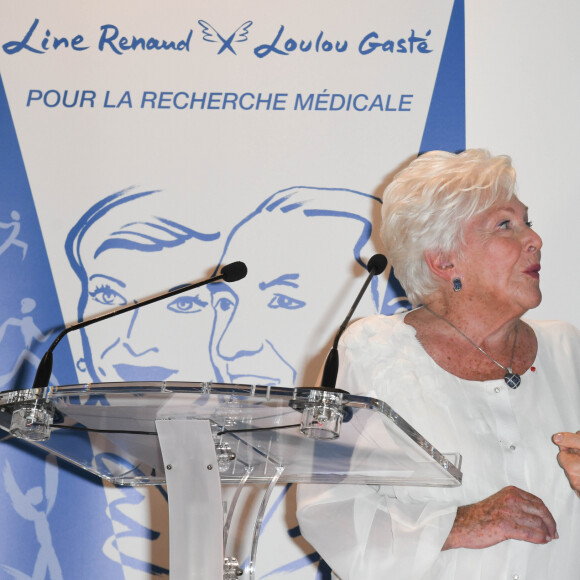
230	273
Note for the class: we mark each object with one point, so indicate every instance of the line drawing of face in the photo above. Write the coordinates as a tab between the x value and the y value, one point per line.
303	250
122	254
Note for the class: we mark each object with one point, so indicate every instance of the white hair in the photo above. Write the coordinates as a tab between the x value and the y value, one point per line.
427	205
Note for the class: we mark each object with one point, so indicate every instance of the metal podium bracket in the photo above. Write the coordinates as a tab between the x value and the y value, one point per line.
195	500
194	489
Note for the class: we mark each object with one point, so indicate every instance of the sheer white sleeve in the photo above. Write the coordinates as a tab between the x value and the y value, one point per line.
364	534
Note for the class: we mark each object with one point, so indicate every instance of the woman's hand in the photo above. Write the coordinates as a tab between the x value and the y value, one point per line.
569	457
511	513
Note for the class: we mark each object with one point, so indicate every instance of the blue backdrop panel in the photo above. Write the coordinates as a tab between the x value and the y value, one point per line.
54	520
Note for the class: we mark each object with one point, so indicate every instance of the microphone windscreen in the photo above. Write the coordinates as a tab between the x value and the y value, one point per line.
377	264
234	272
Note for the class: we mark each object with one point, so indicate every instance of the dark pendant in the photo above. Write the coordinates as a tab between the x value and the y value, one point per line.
512	380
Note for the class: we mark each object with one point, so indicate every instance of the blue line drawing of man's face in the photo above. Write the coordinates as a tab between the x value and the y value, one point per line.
123	254
299	246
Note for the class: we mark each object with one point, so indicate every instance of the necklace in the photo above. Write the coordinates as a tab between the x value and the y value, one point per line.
511	379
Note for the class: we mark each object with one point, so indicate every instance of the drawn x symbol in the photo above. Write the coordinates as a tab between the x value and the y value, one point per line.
210	34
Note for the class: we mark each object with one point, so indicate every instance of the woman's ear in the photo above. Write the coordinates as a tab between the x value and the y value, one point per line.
441	264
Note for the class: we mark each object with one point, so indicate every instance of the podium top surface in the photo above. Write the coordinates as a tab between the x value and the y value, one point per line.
109	429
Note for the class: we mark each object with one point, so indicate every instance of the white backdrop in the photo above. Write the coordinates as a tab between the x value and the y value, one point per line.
522	85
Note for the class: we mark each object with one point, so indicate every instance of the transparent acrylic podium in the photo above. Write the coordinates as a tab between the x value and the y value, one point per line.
203	438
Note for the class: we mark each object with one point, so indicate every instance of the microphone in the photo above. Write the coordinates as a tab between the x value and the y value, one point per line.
229	273
376	265
234	272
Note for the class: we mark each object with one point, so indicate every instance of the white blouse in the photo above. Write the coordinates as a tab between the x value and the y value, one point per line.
503	435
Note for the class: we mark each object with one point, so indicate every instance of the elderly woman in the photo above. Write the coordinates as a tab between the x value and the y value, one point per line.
471	376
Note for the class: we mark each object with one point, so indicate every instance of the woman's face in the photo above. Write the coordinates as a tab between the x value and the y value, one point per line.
500	262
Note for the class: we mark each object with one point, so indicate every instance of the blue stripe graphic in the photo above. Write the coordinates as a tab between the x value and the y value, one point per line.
445	125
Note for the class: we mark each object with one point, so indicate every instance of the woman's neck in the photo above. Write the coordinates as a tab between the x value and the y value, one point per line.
483	324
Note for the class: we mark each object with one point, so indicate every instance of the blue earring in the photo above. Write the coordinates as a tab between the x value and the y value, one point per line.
457	285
